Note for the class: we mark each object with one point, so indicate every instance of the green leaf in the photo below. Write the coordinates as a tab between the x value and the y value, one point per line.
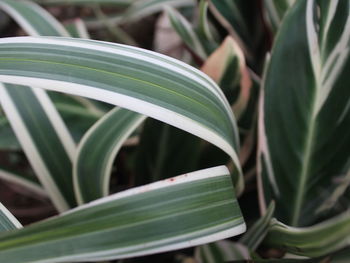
8	140
136	222
38	126
47	147
7	220
304	142
221	251
229	14
164	151
275	11
314	241
257	232
33	19
97	150
186	32
118	3
138	80
141	9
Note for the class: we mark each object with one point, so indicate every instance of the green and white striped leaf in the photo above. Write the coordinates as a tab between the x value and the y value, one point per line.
314	241
138	80
186	32
136	222
275	10
221	251
165	151
257	232
141	9
118	3
203	23
49	152
230	15
43	135
78	29
7	220
304	142
35	20
97	150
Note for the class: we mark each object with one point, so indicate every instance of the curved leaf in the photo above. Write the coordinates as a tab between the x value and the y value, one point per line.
318	240
304	142
135	222
38	126
139	80
97	150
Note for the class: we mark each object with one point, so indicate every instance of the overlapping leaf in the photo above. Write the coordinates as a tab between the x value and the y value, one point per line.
319	240
139	80
304	142
43	135
136	222
97	150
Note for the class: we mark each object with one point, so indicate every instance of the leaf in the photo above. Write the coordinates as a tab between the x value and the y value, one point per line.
314	241
257	232
47	147
227	67
8	140
135	222
33	19
221	251
141	9
304	142
186	32
230	15
7	220
164	151
97	150
275	11
78	29
138	80
118	3
38	126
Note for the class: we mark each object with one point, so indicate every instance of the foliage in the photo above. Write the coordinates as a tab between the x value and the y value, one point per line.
261	96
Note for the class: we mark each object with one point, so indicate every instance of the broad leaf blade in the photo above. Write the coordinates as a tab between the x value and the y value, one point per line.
136	222
304	134
139	80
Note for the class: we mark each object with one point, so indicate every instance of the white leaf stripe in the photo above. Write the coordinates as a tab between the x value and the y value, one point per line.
56	122
30	149
330	15
7	220
103	154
